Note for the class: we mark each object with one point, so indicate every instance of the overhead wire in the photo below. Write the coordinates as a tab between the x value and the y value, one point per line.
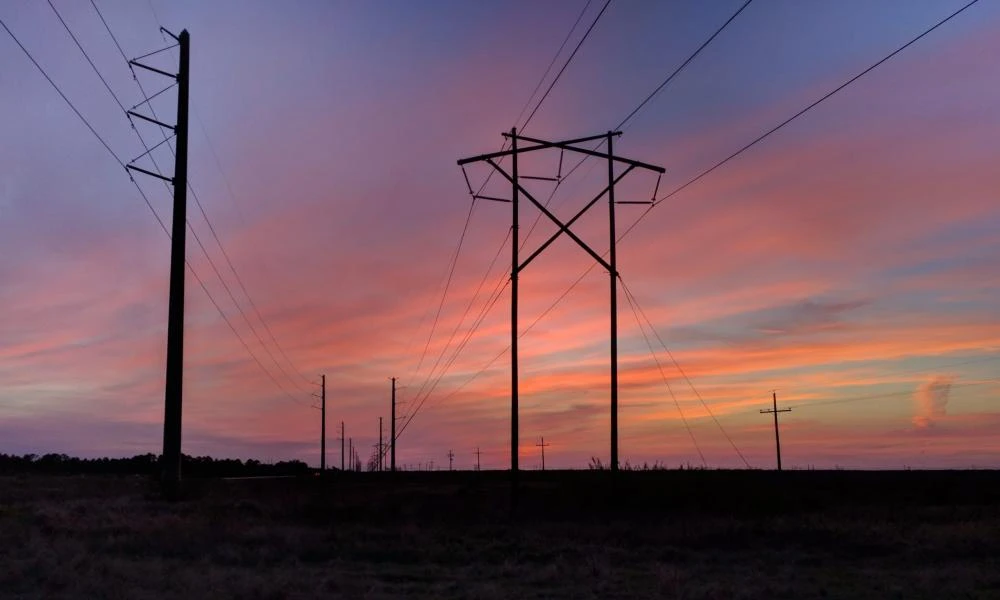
116	157
461	321
666	381
490	174
711	413
555	79
239	280
208	221
705	173
574	168
63	95
814	104
623	124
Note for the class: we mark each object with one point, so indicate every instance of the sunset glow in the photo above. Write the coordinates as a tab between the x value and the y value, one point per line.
851	261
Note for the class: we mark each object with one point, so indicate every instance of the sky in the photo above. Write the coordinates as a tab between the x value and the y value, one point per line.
849	262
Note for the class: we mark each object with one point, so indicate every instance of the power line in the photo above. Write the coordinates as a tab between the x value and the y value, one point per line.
61	94
468	336
566	64
117	159
207	293
763	136
552	63
629	229
807	404
666	381
683	64
239	279
229	262
447	284
628	293
458	325
623	124
85	55
487	180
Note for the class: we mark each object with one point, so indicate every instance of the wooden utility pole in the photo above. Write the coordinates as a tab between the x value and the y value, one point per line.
515	267
451	460
342	446
392	427
380	445
173	393
613	272
322	435
477	458
542	445
774	410
350	451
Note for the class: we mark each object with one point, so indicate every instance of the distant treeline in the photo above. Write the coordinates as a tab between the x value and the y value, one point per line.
147	464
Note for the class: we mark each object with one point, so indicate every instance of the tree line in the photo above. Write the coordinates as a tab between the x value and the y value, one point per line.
146	464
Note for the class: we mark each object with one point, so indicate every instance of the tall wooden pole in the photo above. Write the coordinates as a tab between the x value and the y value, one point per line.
392	427
614	304
173	400
514	267
322	435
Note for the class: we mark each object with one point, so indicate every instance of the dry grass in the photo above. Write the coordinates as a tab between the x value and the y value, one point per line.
107	537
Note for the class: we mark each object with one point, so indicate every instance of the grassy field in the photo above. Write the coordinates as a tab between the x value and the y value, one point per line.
668	534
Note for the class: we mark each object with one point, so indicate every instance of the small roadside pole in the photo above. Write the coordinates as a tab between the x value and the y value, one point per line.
477	457
542	445
451	460
774	410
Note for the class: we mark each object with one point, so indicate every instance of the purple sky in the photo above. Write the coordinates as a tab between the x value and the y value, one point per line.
851	260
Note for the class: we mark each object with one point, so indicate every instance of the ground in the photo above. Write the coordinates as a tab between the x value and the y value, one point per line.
668	534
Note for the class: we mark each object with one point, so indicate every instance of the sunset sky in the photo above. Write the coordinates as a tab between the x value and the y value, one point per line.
851	260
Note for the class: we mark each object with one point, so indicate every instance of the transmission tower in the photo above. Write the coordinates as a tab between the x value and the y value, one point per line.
517	266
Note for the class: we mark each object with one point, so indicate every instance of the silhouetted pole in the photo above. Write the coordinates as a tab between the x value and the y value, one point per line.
451	460
342	433
350	451
775	411
175	324
392	426
514	267
322	435
477	458
542	445
614	305
380	446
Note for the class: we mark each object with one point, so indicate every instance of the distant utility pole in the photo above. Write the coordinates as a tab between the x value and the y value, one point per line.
392	426
342	432
774	410
451	460
380	445
542	445
173	396
322	435
517	265
350	451
477	457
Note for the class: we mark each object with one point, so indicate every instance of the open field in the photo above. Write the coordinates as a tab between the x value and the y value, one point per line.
662	534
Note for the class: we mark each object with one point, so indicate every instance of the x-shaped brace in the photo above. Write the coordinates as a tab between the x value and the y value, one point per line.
563	227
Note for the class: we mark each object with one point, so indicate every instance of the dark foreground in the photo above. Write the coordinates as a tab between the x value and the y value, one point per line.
692	534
